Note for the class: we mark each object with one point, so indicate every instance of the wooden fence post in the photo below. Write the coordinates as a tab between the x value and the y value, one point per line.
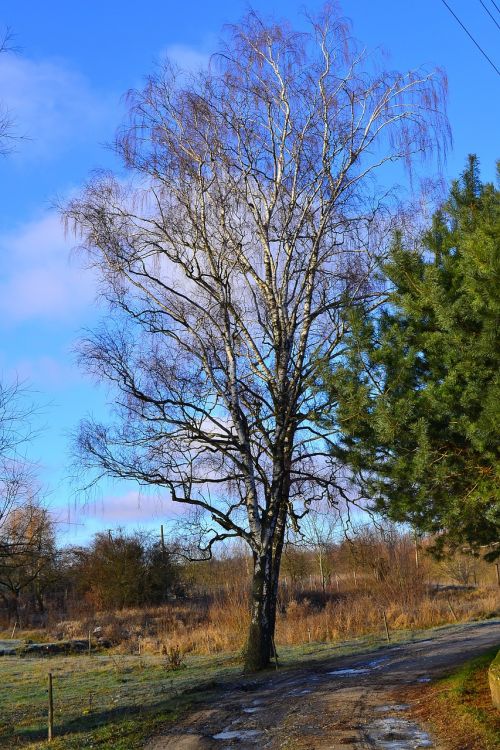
452	611
387	634
51	711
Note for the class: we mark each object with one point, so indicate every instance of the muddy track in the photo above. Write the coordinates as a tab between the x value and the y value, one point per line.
342	703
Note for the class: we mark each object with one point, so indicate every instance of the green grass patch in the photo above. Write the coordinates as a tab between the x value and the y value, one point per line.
103	701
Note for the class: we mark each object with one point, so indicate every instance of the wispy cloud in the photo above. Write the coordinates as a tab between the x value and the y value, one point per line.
53	106
189	59
40	279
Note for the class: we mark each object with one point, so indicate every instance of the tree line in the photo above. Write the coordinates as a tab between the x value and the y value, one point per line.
45	584
114	570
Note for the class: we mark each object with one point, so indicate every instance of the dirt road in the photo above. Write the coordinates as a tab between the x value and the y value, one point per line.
347	703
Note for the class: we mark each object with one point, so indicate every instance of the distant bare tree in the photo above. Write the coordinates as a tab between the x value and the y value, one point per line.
319	531
7	135
16	473
27	549
230	263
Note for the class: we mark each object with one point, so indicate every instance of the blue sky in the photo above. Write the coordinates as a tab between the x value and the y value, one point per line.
65	89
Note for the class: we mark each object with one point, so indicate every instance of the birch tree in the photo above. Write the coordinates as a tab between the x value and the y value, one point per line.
248	227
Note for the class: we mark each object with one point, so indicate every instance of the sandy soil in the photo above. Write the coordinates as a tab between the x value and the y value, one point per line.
339	704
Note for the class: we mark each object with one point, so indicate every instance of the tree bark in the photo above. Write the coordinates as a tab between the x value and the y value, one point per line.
275	573
259	646
13	607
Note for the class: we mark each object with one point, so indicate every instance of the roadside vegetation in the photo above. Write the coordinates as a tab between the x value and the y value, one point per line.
158	649
460	710
288	341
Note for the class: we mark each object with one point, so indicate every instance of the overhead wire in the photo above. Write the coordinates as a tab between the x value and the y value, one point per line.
490	14
471	37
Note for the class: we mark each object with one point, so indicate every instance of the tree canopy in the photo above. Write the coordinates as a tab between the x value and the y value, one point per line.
419	390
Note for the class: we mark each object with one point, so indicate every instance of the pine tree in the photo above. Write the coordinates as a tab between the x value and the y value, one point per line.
419	392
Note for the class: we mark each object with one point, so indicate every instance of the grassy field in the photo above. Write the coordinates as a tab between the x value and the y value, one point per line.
114	702
459	708
99	701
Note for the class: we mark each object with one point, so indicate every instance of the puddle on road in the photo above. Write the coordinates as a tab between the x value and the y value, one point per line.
242	734
374	663
395	707
349	672
306	691
424	679
398	734
363	669
251	710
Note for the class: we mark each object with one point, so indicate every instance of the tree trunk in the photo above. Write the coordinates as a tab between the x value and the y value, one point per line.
275	576
259	646
13	607
322	570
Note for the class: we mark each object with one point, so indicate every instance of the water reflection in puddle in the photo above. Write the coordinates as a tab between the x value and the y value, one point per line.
300	692
398	734
349	672
374	663
233	734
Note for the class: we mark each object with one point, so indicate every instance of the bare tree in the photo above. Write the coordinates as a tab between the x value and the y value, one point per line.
250	227
319	531
17	474
27	549
7	135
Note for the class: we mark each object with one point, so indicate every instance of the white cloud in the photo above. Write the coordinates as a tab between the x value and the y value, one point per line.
46	371
39	277
53	106
189	59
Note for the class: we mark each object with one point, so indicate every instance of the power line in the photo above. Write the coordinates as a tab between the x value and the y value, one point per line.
496	6
472	38
490	14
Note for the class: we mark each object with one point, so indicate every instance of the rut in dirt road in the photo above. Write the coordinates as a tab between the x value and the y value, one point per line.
342	703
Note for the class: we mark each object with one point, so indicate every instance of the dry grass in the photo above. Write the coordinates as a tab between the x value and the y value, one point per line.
361	614
363	580
303	616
